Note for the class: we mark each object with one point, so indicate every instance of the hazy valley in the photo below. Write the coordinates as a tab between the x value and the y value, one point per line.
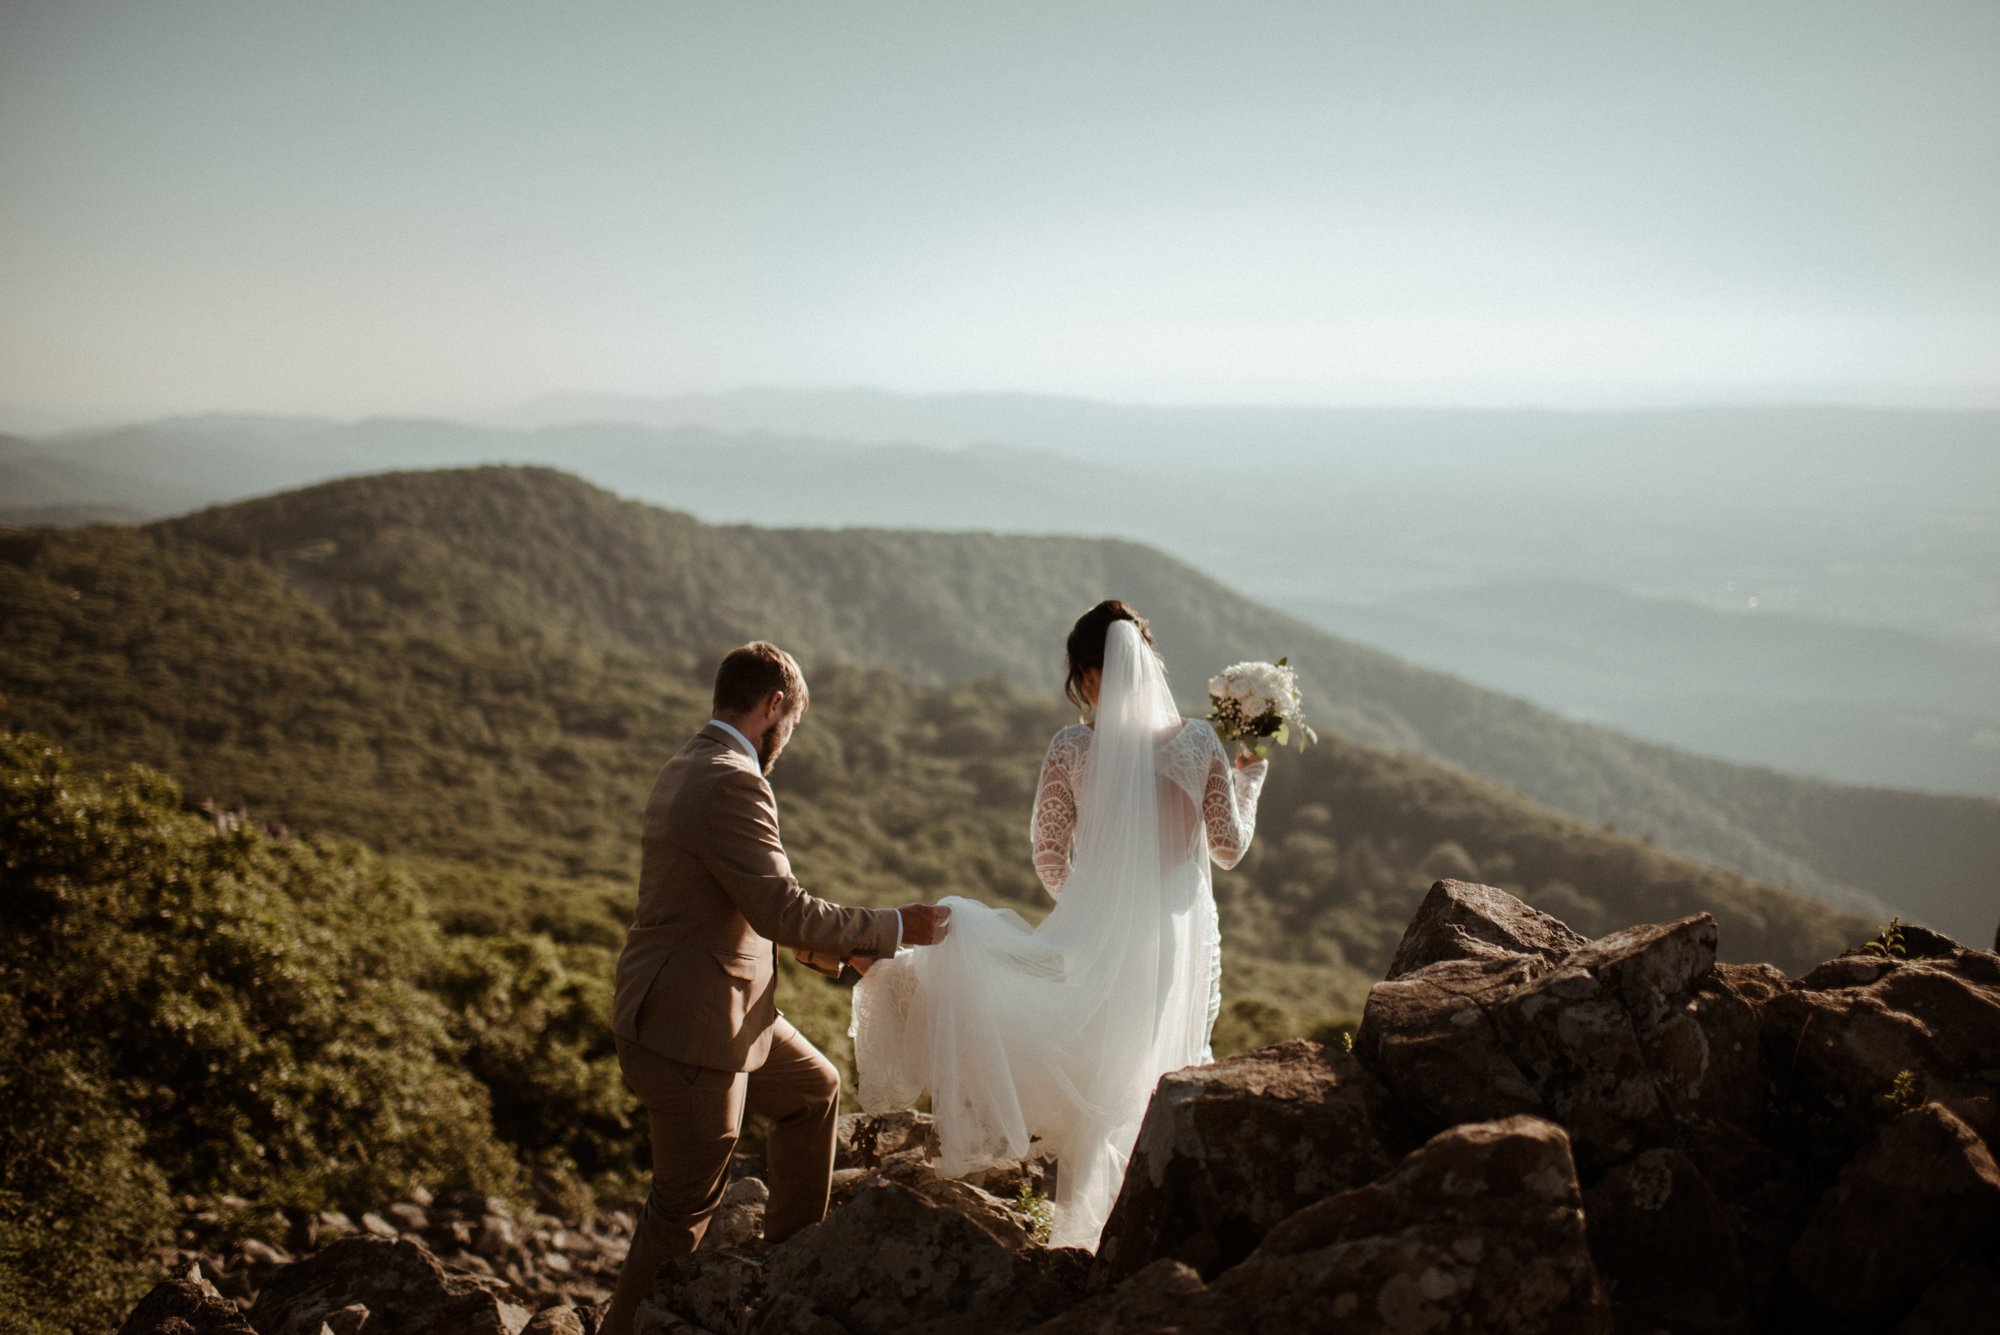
1809	590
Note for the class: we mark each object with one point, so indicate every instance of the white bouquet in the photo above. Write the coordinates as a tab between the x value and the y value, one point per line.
1253	701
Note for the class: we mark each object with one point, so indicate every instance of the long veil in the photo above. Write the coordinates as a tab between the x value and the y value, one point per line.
1057	1032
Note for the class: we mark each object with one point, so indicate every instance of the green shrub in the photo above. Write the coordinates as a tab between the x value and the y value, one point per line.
80	1199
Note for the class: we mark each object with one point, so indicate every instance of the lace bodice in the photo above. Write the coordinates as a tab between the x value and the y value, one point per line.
1192	760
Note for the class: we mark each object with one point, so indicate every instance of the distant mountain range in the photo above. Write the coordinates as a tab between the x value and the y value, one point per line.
505	548
1835	701
1422	533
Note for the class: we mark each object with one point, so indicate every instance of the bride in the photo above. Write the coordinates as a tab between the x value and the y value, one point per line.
1057	1033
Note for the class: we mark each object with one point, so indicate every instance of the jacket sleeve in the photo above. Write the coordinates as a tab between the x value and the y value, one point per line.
741	850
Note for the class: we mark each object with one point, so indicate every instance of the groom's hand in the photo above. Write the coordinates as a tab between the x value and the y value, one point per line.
924	924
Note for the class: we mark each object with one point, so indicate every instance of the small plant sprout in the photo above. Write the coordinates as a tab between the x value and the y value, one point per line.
1889	942
1903	1093
1040	1213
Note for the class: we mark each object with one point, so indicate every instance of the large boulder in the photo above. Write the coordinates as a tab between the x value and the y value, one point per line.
1926	1192
1712	1075
1664	1244
1963	1298
1459	921
1495	1035
1569	1034
707	1291
1228	1150
187	1305
1480	1229
1429	1038
740	1217
406	1290
1165	1296
892	1259
1860	1037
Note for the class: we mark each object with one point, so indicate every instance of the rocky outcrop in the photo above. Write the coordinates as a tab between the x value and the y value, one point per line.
1201	1187
892	1259
402	1287
187	1305
1533	1133
1480	1229
1462	921
1657	1226
1924	1190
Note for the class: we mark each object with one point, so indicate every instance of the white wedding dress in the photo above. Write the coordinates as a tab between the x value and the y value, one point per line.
1058	1033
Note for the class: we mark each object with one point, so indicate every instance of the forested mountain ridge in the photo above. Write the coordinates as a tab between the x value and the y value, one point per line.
535	556
491	664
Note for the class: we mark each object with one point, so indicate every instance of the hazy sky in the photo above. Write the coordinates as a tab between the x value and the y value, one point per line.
351	207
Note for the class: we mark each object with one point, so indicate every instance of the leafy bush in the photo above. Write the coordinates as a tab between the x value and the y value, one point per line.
80	1198
198	1011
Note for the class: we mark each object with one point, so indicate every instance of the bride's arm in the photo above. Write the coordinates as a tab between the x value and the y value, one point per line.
1229	805
1054	819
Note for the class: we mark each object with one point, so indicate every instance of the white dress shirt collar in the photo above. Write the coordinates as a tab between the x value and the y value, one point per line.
741	740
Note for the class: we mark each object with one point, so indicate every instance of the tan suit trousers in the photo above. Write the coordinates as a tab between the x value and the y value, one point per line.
695	1115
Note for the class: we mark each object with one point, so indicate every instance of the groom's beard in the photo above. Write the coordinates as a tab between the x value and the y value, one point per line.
767	748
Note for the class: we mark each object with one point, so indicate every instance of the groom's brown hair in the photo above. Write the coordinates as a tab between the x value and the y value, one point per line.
750	674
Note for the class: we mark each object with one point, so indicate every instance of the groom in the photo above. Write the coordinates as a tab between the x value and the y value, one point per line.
694	1014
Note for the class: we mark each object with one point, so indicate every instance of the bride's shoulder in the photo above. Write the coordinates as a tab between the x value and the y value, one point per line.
1198	734
1076	737
1196	745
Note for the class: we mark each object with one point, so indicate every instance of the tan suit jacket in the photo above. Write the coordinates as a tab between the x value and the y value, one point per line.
697	979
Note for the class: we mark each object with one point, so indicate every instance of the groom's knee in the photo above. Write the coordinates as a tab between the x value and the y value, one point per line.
822	1087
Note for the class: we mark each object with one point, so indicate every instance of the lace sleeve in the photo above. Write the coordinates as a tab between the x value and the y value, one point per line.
1229	805
1054	820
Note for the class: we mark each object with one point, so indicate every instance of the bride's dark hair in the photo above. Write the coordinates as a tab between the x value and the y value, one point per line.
1086	643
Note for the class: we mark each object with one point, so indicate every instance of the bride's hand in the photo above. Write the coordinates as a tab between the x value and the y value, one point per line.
861	964
1244	760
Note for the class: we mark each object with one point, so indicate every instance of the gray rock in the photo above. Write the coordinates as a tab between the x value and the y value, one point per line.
1964	1297
1651	969
712	1291
185	1306
1228	1150
741	1216
864	1140
497	1236
349	1320
1167	1295
1460	921
893	1260
1926	1192
258	1252
1846	1033
407	1216
1568	1032
563	1321
1428	1038
1479	1230
405	1288
1666	1249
